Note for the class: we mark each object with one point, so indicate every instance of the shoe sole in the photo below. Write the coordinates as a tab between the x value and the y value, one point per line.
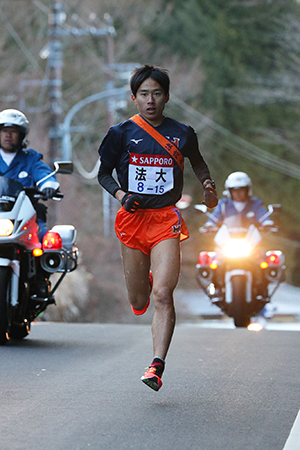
152	383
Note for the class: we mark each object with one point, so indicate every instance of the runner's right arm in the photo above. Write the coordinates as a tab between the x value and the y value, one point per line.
107	181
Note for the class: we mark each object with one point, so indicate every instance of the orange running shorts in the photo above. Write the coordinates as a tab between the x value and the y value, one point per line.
145	228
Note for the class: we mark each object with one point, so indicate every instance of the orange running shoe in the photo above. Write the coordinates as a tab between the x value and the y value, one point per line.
151	379
139	312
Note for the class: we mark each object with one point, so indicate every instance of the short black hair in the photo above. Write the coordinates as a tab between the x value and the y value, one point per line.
140	74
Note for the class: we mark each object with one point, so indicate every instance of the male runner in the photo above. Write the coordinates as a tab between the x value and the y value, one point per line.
147	152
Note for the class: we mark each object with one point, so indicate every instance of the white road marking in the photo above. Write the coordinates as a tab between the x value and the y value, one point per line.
228	324
293	442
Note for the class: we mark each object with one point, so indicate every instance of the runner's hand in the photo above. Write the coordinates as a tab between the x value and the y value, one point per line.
132	202
210	197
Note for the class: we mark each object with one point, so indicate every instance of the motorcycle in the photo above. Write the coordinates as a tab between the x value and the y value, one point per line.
238	276
26	264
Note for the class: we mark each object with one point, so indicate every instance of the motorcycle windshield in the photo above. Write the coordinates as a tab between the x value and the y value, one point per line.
236	223
9	191
237	228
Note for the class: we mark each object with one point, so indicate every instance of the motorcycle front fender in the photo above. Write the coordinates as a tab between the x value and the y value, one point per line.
15	266
228	284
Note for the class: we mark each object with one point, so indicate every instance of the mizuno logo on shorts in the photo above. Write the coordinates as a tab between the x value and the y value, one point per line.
136	141
176	228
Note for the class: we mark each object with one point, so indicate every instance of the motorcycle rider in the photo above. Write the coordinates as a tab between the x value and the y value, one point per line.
27	167
239	200
24	165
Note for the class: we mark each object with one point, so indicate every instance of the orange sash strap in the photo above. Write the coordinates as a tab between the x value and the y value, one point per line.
167	145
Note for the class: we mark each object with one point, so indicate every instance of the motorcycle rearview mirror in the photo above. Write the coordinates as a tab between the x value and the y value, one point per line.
63	167
201	208
184	202
271	210
275	208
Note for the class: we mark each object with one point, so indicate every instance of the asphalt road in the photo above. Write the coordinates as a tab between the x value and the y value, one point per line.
73	386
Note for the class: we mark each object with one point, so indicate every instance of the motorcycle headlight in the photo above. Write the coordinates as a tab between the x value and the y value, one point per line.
237	248
6	227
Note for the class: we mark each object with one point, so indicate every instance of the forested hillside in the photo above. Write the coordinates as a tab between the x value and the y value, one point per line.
234	68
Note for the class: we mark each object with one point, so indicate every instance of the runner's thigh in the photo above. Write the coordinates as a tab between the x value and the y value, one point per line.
165	263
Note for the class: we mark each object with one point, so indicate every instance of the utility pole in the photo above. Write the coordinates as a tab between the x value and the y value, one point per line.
106	199
110	62
55	60
55	81
56	31
55	93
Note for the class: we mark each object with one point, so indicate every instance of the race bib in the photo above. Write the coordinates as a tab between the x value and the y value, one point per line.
150	174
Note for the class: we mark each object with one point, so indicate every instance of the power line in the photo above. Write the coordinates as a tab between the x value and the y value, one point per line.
41	6
19	41
231	141
240	145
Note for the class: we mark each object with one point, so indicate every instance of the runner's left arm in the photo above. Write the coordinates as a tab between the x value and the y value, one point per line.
201	170
197	162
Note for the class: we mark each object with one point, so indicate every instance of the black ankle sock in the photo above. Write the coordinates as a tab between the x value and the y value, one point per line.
159	365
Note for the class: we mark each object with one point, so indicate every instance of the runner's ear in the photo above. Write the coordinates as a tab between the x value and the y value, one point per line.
133	99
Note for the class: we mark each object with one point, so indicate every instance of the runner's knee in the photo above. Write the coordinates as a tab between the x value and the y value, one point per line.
163	296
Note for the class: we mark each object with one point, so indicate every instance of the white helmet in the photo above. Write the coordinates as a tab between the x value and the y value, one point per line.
15	118
237	180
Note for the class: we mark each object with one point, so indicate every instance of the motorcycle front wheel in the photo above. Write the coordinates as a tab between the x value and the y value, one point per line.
239	305
4	298
20	326
19	331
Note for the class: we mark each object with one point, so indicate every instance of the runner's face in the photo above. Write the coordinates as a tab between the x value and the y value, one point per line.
9	138
150	100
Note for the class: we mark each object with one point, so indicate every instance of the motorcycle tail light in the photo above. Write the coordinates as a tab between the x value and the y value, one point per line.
206	258
52	241
273	258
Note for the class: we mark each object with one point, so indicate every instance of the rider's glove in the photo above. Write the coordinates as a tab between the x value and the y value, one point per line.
210	195
132	202
49	192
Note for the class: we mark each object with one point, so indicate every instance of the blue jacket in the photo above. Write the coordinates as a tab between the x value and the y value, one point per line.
26	167
253	211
